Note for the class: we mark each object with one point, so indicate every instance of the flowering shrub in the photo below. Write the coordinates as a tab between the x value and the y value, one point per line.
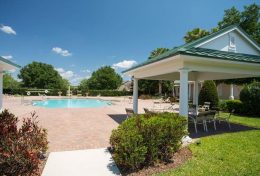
20	148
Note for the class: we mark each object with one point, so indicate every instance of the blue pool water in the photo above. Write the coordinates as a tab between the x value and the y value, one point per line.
71	103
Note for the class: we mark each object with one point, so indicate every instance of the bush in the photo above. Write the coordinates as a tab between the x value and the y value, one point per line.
143	141
33	92
208	93
250	96
229	105
20	148
107	93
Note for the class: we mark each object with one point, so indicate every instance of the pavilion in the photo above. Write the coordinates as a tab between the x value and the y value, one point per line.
226	54
5	66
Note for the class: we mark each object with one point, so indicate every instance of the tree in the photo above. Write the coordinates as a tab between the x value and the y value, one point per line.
157	52
105	78
83	85
208	93
231	16
65	84
152	86
40	75
9	82
195	34
247	19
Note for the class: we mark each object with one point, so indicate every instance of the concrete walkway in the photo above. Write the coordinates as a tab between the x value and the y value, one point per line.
94	162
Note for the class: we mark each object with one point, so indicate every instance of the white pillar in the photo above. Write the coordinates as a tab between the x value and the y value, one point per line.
135	96
1	91
160	87
195	92
189	84
184	92
231	97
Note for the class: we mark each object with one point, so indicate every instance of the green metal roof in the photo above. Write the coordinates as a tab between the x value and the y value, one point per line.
9	62
223	55
189	49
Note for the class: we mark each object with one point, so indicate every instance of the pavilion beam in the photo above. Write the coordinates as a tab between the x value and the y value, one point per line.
135	96
184	73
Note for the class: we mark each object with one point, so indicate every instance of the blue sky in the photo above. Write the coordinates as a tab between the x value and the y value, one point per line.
77	37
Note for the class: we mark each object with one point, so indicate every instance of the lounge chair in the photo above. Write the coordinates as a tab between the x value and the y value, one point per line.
147	111
129	112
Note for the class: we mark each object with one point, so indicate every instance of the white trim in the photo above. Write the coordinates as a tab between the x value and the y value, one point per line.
175	57
221	34
213	38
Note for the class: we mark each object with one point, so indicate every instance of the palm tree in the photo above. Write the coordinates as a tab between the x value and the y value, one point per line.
153	54
195	34
157	52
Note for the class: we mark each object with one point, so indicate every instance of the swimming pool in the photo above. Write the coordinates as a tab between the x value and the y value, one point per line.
72	103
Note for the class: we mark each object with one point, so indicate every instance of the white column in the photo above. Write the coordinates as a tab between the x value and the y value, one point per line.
184	92
195	92
189	84
231	97
160	87
135	96
1	91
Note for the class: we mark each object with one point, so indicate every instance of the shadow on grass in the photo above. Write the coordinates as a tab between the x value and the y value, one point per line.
221	128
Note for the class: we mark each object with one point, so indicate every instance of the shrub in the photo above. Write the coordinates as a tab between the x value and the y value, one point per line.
229	105
20	148
208	93
143	141
250	96
107	93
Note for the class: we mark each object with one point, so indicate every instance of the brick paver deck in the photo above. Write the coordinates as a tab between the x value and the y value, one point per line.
76	128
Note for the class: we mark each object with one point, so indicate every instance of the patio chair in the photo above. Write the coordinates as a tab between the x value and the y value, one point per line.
210	117
206	105
199	119
225	118
129	112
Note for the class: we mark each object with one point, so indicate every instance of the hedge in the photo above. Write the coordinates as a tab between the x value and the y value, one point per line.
229	105
144	140
33	92
250	96
107	93
54	92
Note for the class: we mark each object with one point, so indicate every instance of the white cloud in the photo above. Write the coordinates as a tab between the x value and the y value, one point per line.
9	57
125	64
85	71
7	29
61	51
65	74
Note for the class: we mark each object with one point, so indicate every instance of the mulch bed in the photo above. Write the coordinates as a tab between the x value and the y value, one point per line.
178	159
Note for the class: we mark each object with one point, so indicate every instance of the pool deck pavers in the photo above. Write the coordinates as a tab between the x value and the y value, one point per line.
75	128
78	137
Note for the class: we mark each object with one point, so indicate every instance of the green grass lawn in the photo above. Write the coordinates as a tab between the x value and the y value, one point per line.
226	154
